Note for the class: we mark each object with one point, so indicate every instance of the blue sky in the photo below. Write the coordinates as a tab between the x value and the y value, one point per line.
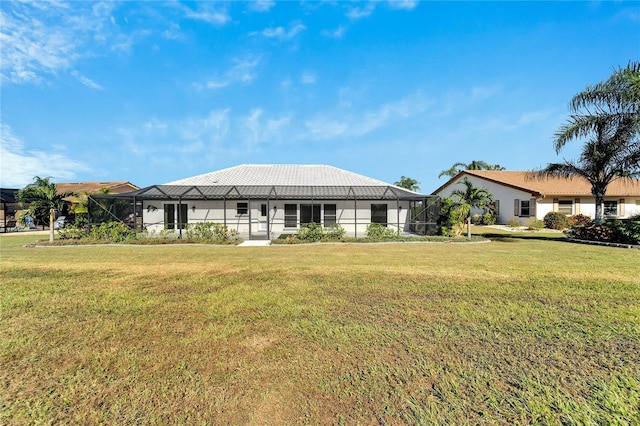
152	92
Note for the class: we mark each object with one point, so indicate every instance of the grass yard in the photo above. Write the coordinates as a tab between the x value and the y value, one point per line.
516	331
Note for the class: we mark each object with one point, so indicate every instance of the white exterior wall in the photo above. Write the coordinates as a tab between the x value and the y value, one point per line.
348	213
507	196
627	206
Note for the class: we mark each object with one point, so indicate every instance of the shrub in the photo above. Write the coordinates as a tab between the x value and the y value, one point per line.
514	223
555	220
116	232
311	232
451	219
476	219
210	231
72	232
379	232
334	232
535	225
614	231
489	218
578	220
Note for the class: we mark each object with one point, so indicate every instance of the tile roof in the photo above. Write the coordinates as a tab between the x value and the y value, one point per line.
83	188
281	174
551	186
90	187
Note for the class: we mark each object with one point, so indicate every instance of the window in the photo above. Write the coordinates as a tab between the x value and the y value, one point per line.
379	214
169	216
525	207
290	215
566	207
329	214
170	211
263	210
611	208
242	208
309	213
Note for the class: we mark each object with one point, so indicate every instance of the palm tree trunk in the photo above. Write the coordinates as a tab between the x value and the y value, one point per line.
469	225
598	193
599	202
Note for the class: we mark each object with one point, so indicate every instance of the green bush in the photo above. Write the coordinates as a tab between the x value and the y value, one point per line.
555	220
489	218
379	232
334	232
72	232
115	232
514	223
210	231
311	232
535	225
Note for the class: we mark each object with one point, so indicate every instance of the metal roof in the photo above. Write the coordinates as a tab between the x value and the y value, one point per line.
276	181
8	195
238	192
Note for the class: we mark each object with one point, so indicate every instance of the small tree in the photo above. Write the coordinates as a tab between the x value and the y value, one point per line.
474	165
42	196
470	197
408	183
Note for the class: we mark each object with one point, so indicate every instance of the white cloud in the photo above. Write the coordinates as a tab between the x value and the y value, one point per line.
337	33
403	4
20	165
261	5
343	123
361	12
41	39
242	71
280	33
86	81
308	78
207	13
481	93
257	129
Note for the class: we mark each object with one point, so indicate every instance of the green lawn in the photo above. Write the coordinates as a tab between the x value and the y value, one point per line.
516	331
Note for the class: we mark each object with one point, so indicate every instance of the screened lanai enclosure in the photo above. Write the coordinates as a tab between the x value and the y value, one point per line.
265	212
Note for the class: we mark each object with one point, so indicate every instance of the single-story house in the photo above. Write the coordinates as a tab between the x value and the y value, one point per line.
84	188
262	201
520	196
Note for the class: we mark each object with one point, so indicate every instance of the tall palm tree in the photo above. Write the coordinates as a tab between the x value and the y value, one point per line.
608	114
473	165
408	183
42	196
470	197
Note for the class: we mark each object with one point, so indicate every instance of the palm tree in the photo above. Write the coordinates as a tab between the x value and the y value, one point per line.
603	159
473	165
42	196
408	183
608	114
470	197
610	106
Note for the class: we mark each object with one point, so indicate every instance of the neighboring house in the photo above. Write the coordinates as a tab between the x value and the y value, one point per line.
265	200
84	188
9	209
519	196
